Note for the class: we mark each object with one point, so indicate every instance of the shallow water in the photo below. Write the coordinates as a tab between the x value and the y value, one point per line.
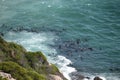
84	32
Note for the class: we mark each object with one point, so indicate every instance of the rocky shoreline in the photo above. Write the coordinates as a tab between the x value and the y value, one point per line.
18	64
78	76
67	44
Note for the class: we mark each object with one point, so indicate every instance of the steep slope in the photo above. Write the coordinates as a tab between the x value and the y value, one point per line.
23	65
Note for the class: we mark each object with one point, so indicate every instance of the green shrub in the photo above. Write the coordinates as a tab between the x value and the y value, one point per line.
19	72
14	69
3	78
16	47
36	76
23	65
54	69
35	58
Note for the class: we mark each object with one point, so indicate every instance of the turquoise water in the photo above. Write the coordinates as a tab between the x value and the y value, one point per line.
87	32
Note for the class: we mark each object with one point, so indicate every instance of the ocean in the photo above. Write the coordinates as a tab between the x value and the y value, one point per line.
81	37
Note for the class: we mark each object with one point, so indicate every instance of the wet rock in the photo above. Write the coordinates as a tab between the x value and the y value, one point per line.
60	46
115	69
87	77
64	29
97	78
3	25
111	69
1	34
81	49
78	41
86	40
78	77
91	49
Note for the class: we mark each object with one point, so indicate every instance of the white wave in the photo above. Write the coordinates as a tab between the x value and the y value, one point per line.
33	41
39	42
63	63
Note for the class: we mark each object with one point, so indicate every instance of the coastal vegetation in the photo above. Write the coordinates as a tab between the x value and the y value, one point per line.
23	65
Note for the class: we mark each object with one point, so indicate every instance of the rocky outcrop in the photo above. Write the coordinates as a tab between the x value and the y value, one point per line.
6	75
23	65
97	78
54	77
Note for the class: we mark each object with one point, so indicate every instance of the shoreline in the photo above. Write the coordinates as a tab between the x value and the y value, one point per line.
84	76
19	61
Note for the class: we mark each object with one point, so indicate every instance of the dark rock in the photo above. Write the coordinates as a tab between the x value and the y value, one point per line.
117	69
81	58
86	40
78	41
91	49
64	29
81	49
60	46
114	69
111	69
3	25
76	50
1	34
81	77
87	77
97	78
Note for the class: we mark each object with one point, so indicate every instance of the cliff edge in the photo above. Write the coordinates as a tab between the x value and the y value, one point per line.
23	65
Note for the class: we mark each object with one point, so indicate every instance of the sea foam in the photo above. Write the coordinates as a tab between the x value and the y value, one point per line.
40	42
64	62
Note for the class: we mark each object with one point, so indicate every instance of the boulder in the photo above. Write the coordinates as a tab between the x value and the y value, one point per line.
54	77
6	75
97	78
